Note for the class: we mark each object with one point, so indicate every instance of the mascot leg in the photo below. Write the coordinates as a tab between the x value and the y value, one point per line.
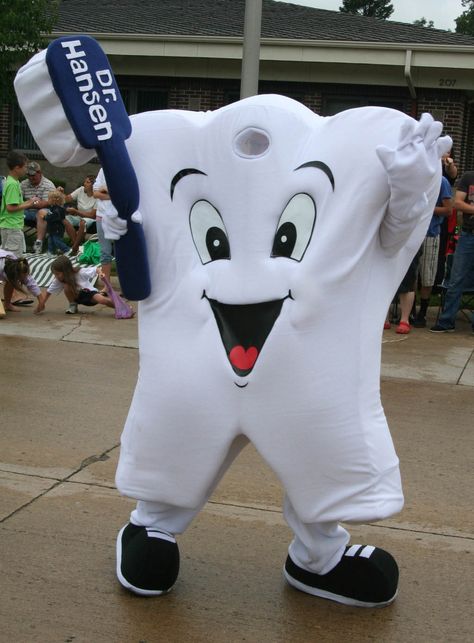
147	551
320	562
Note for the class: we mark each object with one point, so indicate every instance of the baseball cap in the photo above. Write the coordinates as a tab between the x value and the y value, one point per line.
32	168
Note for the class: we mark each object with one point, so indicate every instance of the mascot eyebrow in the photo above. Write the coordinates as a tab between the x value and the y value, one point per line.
191	170
181	174
320	166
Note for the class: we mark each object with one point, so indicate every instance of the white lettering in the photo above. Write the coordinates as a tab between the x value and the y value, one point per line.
110	91
85	83
98	113
87	78
108	131
71	45
104	77
78	66
91	98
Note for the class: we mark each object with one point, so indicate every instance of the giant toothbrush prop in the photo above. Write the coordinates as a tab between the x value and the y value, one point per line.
266	243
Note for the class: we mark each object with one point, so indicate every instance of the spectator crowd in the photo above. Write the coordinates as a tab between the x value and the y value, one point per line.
29	200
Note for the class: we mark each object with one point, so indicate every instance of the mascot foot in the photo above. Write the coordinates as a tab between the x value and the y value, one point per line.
366	576
147	560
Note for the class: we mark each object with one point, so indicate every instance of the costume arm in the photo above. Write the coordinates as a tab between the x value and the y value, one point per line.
410	170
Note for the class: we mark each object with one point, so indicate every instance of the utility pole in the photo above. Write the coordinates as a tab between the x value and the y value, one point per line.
251	48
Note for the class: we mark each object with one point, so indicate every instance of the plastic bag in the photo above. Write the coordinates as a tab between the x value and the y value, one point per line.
122	309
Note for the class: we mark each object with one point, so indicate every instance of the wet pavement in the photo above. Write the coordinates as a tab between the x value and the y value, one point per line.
66	386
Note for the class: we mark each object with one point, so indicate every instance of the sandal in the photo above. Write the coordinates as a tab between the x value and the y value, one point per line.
403	328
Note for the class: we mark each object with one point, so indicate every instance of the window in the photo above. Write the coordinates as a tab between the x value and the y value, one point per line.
22	137
135	100
335	104
144	100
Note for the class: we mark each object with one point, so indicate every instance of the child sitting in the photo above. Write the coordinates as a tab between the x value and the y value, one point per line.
54	216
16	275
77	284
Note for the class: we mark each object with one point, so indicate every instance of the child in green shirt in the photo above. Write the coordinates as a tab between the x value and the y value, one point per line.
12	205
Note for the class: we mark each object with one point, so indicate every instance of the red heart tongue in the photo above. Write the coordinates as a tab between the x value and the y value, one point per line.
243	359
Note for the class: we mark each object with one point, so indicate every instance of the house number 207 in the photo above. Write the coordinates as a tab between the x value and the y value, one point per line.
447	82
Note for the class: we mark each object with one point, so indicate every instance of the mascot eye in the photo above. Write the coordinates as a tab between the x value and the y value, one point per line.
209	233
295	228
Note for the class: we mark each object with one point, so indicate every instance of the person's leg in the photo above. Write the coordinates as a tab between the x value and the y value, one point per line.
103	299
7	296
79	236
14	241
69	293
463	261
406	295
60	244
406	305
106	256
41	225
428	269
29	217
71	233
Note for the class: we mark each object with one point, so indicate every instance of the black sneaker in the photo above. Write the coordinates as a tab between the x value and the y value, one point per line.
437	328
366	576
147	560
419	322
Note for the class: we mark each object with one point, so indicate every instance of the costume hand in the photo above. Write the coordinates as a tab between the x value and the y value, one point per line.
114	226
416	157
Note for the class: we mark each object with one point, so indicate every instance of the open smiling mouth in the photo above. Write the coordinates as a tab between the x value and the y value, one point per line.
244	329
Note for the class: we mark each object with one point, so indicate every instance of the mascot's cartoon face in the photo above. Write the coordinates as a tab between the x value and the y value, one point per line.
245	327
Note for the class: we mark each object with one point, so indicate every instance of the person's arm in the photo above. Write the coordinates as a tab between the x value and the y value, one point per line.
445	209
70	198
42	299
450	167
87	214
21	206
460	203
101	194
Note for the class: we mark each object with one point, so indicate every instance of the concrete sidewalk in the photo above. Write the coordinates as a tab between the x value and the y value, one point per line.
66	385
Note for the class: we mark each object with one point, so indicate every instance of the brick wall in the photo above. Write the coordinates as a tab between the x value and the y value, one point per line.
207	94
4	130
451	108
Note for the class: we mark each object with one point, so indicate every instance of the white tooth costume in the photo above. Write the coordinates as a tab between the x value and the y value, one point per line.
276	239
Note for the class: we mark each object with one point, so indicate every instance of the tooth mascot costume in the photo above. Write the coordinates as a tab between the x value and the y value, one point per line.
265	243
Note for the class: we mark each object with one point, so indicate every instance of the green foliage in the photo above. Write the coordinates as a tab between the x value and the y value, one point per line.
423	22
465	22
23	24
374	8
59	183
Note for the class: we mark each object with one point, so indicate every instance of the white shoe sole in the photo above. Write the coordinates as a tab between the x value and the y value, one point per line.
123	581
345	600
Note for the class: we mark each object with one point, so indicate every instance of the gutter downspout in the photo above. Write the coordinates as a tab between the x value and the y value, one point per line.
407	73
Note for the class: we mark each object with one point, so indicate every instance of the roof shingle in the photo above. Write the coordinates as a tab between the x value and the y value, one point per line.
226	18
